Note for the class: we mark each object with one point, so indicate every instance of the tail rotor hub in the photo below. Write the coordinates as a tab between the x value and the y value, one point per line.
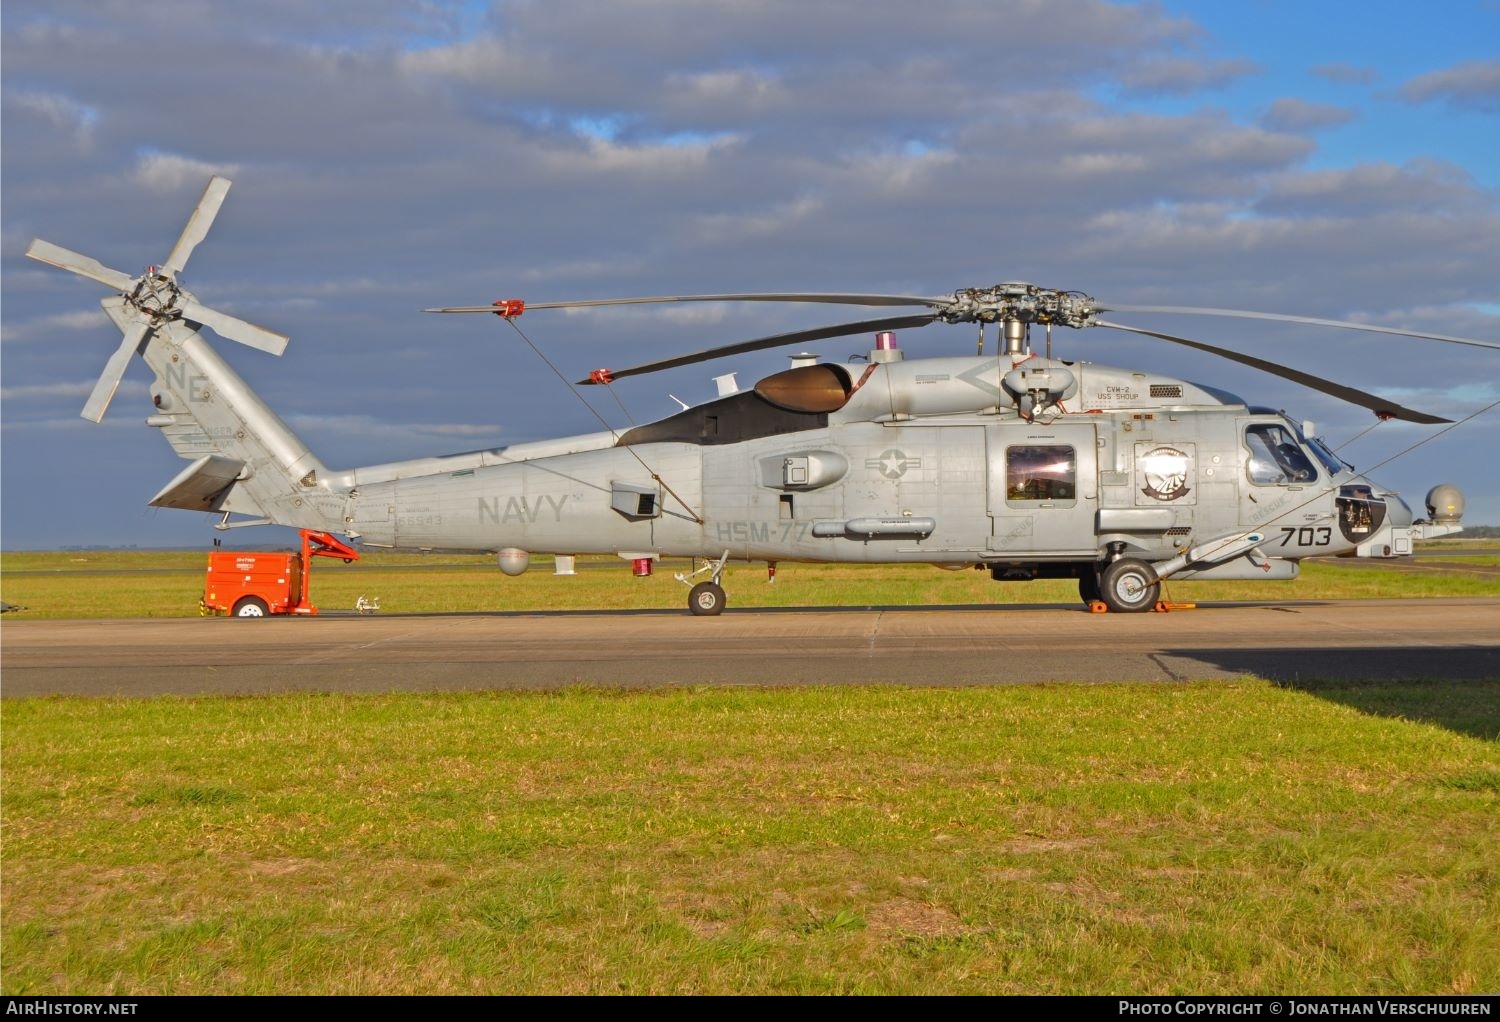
158	296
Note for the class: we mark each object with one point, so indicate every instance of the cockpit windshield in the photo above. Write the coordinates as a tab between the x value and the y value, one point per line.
1275	456
1332	462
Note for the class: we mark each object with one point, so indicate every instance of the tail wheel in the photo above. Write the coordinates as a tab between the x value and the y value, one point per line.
1128	586
251	606
706	599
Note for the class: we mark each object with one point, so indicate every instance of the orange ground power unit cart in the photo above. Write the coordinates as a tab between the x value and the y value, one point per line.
256	583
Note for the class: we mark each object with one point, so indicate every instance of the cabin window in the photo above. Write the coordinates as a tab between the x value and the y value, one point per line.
1041	473
1276	458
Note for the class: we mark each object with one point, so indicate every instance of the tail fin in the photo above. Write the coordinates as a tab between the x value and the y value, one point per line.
244	458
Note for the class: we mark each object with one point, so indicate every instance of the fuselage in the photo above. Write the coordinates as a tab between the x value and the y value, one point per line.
923	461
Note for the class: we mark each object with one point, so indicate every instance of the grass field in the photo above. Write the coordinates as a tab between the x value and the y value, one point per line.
170	584
1151	839
1225	838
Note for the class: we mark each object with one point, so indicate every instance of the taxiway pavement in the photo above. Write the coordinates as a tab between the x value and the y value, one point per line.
1453	639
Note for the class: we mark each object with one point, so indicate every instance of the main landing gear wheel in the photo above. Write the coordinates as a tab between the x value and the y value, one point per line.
706	599
1088	587
251	606
1129	586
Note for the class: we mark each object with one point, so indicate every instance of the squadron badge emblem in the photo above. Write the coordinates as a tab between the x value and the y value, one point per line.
1165	471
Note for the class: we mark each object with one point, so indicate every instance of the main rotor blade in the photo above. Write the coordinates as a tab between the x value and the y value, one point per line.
827	299
114	371
1188	310
235	329
1379	405
197	225
760	344
84	266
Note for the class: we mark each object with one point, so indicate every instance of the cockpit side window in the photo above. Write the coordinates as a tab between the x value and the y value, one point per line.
1276	458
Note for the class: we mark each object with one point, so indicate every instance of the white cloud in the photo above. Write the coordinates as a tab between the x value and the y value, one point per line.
76	388
913	172
69	322
1091	164
746	91
1372	188
606	157
726	228
487	60
1292	114
168	173
1182	75
1474	85
1347	74
61	111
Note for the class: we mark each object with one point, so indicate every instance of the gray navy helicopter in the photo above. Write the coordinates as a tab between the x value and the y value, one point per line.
1016	463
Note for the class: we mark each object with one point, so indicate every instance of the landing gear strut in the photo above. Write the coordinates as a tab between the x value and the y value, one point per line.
706	599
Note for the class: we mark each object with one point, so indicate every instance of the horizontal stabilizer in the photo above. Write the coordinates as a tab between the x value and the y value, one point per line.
201	485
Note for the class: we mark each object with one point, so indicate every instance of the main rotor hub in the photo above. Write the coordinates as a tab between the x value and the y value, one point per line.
1017	301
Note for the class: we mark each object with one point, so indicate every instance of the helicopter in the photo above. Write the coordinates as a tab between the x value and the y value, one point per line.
1015	462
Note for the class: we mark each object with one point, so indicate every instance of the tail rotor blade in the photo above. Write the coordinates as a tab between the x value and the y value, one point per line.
197	225
84	266
114	371
235	329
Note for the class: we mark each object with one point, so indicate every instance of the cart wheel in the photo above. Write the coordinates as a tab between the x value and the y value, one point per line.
251	606
706	599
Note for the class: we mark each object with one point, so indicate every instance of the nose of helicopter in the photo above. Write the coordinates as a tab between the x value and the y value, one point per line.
1396	531
1397	511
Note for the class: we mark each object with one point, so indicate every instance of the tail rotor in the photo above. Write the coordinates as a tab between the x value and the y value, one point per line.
143	305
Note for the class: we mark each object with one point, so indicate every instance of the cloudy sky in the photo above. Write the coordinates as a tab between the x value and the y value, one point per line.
1339	160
